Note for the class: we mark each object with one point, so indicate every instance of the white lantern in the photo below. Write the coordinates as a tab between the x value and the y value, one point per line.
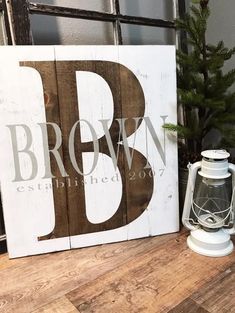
209	208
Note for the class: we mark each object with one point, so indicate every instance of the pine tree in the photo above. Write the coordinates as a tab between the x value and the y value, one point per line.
203	88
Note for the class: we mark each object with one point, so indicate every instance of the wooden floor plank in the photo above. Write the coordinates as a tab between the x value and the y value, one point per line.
5	263
154	282
219	294
29	283
188	306
61	305
148	275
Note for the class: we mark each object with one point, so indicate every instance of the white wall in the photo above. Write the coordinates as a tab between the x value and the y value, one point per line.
51	30
222	26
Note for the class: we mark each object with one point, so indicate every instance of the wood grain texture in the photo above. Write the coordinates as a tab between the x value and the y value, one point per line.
97	16
154	282
29	283
139	191
6	22
20	22
129	102
47	71
219	294
188	306
61	305
155	274
67	90
5	263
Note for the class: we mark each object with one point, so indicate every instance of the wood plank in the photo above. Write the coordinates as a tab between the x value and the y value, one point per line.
29	283
67	90
48	75
138	191
129	102
115	8
18	10
37	8
5	263
30	212
189	306
219	294
6	22
78	222
153	275
154	282
61	305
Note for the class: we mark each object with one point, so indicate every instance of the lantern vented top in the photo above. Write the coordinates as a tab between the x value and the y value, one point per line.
214	164
215	154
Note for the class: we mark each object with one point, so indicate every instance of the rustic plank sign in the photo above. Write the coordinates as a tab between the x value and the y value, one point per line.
84	158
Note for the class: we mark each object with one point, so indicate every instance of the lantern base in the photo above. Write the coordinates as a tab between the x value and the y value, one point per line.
213	244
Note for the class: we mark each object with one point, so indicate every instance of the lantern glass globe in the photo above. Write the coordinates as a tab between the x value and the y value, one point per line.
212	203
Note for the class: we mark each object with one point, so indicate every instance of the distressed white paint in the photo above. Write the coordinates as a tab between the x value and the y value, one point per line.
103	188
31	214
155	70
28	214
95	94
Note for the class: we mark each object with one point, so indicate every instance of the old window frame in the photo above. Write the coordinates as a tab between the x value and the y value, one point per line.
17	18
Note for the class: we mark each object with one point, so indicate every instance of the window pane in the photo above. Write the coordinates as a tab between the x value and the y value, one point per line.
94	5
50	30
58	30
145	35
162	9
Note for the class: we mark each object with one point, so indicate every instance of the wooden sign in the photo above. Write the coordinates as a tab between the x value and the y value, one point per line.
84	159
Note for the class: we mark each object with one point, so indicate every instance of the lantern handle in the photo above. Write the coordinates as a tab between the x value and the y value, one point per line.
231	168
192	173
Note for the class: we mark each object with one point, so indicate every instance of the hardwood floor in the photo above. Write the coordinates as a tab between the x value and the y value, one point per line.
158	274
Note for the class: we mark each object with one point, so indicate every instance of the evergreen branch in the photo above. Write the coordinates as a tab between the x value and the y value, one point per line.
215	49
182	131
190	98
226	118
202	85
215	104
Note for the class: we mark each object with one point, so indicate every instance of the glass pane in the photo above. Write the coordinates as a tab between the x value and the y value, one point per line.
162	9
211	201
146	35
50	30
94	5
